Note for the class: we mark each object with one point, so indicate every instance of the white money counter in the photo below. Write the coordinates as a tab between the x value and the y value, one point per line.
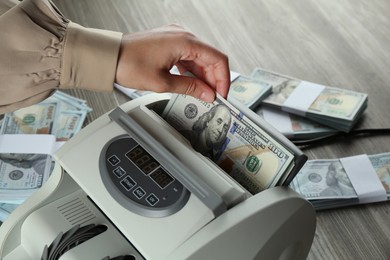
98	204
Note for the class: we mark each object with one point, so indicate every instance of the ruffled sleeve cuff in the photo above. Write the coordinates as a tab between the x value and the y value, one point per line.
89	58
41	51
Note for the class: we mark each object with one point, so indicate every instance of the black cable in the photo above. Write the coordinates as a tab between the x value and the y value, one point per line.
70	239
355	132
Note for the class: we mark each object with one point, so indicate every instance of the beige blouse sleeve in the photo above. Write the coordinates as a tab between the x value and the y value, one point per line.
41	50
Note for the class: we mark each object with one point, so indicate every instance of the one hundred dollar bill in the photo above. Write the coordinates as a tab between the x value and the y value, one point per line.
249	91
323	179
61	115
68	124
326	184
381	164
71	103
22	174
36	119
225	135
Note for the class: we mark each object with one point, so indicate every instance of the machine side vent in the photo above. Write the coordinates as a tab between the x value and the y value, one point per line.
76	212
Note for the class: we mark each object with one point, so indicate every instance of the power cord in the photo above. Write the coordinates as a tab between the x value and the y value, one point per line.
356	132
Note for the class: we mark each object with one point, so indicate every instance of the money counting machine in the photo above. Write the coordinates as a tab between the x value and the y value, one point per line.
98	204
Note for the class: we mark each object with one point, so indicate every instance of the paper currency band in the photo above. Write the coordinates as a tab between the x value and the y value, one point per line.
36	144
364	179
300	100
280	121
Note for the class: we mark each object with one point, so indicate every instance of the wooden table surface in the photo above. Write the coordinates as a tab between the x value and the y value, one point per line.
341	43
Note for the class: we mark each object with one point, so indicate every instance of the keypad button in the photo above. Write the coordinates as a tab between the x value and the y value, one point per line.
139	192
152	199
119	172
114	160
128	183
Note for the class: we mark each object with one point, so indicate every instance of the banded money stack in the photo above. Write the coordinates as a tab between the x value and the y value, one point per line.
60	116
334	107
344	182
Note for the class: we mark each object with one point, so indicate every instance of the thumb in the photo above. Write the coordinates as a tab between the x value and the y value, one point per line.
191	86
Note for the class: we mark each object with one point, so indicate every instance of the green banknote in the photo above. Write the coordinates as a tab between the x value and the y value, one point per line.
61	115
249	91
222	133
22	174
36	119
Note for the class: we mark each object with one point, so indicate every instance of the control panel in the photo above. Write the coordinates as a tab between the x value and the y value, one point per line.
138	181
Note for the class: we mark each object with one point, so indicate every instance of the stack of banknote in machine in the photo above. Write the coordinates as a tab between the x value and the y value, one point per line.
334	107
236	139
59	117
346	181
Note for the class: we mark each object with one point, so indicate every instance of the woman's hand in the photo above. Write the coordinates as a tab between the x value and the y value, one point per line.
146	57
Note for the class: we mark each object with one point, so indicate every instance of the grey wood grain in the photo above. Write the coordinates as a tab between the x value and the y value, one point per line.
342	43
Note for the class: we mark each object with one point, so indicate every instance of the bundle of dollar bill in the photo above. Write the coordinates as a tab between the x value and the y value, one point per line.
61	115
22	174
5	210
292	126
333	183
334	107
249	91
237	140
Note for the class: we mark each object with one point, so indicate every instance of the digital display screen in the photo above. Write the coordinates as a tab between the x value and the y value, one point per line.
142	159
162	178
